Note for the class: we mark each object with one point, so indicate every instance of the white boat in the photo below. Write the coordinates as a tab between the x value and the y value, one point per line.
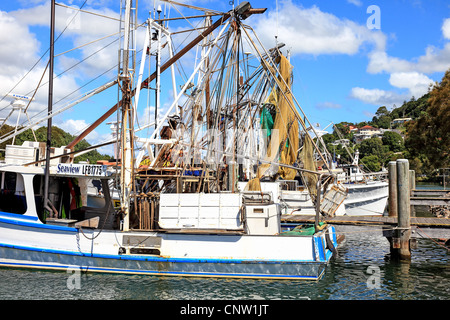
226	233
367	192
217	236
366	196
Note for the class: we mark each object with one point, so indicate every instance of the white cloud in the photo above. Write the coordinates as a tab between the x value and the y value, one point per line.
21	49
80	28
328	105
74	127
378	97
417	83
357	3
379	61
434	60
63	86
405	74
18	46
312	31
81	23
446	28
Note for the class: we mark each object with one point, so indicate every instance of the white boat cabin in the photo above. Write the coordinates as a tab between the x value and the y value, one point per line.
22	186
22	193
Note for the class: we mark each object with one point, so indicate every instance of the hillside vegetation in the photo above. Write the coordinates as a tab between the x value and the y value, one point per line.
59	138
424	141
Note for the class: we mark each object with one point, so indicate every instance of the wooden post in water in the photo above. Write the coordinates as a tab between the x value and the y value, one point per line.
400	242
392	167
412	180
412	186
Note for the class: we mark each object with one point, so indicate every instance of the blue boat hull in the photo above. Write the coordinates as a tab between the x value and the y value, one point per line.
19	257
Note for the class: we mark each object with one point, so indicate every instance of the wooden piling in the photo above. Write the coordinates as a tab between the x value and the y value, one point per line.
412	186
400	242
392	167
412	180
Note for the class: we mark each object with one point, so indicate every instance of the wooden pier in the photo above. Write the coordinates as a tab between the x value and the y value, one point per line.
399	227
367	220
422	227
430	197
433	227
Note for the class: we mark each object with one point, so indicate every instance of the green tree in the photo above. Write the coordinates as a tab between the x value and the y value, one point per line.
329	138
372	146
343	129
382	118
59	138
393	140
362	124
429	136
382	111
372	162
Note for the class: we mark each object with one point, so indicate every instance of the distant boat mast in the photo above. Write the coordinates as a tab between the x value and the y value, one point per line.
50	105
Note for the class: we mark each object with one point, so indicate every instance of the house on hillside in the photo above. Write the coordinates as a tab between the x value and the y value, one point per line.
342	142
399	121
366	132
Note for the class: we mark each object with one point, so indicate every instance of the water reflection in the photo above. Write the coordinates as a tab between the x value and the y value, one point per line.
351	275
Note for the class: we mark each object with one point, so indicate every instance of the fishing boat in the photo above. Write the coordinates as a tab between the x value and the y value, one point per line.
367	192
181	212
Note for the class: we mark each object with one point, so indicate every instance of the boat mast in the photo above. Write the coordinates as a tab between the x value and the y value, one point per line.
247	11
50	104
158	68
126	169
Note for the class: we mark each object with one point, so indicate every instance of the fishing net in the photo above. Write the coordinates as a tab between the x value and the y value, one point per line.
284	139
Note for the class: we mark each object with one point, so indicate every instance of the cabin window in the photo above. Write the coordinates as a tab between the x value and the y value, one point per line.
12	193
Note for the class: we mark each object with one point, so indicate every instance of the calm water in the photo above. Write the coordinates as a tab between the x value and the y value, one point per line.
361	271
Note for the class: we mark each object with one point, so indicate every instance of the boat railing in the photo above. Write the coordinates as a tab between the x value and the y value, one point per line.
361	177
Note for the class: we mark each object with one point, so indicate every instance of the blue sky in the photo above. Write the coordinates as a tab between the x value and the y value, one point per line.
346	64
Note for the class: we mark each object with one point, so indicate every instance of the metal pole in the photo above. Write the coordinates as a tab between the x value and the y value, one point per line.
158	71
318	187
392	168
404	218
50	105
126	144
